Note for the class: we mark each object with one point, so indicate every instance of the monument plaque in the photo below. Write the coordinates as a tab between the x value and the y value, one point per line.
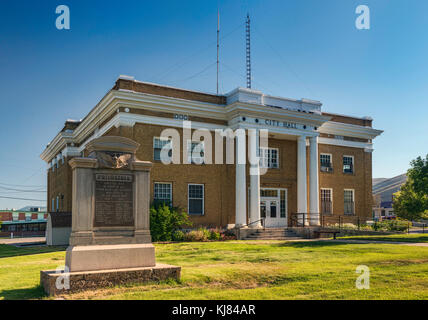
113	200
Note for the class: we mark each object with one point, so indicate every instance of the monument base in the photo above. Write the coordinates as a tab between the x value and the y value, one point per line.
57	283
106	257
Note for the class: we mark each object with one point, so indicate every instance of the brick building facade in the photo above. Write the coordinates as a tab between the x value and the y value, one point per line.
316	162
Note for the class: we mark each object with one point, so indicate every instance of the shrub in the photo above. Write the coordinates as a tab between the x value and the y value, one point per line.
214	235
227	235
165	220
199	235
178	235
391	225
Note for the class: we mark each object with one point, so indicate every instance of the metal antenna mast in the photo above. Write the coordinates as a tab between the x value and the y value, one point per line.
218	43
248	47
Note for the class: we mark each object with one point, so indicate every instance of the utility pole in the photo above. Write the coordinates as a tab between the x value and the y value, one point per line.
248	49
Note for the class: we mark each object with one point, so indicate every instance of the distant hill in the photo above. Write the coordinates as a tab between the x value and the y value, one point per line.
378	180
385	188
33	209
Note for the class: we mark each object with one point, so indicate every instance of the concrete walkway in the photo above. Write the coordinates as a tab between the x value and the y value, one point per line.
24	241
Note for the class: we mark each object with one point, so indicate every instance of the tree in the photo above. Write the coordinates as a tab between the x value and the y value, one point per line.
411	202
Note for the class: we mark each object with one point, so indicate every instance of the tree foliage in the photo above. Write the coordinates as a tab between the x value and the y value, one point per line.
165	220
411	202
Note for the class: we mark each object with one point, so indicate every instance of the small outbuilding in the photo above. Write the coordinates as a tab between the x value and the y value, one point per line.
58	228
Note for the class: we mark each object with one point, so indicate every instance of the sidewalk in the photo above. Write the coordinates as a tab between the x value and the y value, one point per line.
24	241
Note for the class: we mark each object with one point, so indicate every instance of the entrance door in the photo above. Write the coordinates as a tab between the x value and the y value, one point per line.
270	210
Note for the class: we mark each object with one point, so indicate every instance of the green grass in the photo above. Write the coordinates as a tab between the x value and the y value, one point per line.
413	238
246	270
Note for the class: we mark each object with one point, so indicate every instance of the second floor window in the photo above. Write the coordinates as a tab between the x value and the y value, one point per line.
348	164
325	162
196	152
158	145
269	158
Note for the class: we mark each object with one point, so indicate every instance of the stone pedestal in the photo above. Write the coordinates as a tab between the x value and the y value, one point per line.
110	220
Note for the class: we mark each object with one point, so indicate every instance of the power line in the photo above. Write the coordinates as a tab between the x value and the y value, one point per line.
22	199
287	65
22	186
20	190
185	61
197	74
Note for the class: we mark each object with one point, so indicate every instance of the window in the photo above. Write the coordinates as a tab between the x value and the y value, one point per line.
283	203
158	145
196	199
53	205
15	216
163	193
28	216
269	158
57	203
196	152
349	202
325	162
326	201
348	164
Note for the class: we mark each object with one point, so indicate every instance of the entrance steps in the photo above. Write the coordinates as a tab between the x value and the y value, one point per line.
274	234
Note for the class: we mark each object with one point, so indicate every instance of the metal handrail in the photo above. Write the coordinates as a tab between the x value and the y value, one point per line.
263	222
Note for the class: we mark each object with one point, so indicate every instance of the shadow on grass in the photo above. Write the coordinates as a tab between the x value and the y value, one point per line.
23	294
7	251
311	244
404	238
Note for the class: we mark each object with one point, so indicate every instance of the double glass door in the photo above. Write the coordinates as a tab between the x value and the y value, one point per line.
269	209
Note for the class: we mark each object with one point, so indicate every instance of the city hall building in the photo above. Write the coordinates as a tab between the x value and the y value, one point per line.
318	163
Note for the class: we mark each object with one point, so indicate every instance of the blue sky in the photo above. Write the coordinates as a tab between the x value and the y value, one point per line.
306	48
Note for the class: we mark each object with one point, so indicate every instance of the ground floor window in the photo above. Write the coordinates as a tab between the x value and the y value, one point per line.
163	193
196	199
283	203
349	201
326	201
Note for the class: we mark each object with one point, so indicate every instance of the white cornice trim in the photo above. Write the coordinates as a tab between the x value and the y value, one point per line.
368	147
349	130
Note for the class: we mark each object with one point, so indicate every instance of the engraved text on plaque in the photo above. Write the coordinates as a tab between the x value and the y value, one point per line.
113	200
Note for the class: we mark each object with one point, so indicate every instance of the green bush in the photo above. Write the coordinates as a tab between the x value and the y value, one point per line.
178	235
165	220
391	225
214	235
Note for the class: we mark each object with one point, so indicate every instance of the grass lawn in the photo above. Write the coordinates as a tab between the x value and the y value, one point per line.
245	270
413	238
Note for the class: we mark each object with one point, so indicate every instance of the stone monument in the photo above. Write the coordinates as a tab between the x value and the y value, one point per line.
110	240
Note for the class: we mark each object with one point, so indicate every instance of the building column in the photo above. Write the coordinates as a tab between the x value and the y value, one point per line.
253	136
313	182
301	176
240	183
